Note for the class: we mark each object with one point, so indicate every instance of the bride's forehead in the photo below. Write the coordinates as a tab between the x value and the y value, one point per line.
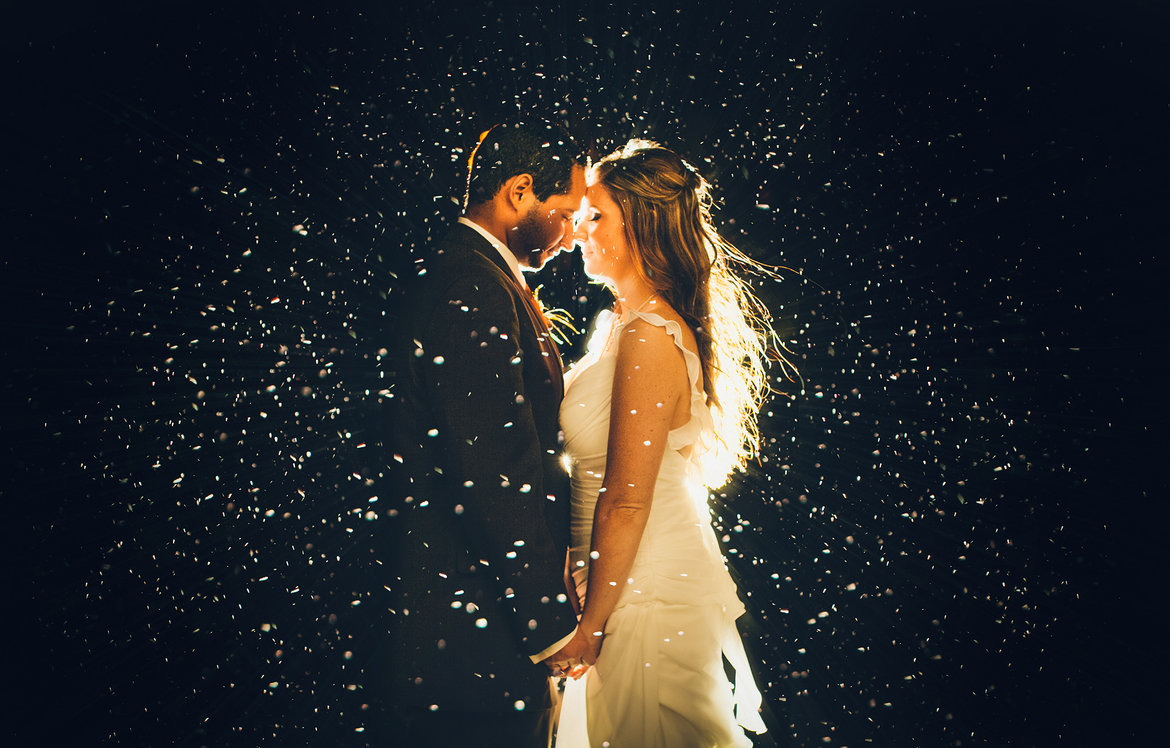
596	194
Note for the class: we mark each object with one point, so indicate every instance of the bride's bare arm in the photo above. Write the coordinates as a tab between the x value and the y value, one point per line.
650	380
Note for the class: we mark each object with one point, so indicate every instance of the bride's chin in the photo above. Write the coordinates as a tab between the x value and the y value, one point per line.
592	270
588	266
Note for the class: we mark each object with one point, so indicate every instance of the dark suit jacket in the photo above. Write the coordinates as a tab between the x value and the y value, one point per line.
476	549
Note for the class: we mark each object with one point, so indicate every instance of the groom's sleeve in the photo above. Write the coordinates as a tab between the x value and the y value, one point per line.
557	646
484	424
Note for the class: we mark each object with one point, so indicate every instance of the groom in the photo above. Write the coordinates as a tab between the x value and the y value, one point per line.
477	549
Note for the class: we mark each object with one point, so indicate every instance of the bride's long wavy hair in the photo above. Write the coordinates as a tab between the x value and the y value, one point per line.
666	208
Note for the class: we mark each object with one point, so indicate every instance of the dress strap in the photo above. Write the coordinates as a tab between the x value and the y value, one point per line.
699	431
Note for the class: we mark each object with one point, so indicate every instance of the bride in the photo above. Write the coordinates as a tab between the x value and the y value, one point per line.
661	409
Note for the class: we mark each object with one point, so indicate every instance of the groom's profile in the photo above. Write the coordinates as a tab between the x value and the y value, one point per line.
475	555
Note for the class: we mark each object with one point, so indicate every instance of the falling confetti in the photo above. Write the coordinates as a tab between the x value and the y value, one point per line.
214	212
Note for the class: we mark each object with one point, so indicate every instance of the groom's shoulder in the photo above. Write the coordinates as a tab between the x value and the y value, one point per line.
460	240
458	260
459	251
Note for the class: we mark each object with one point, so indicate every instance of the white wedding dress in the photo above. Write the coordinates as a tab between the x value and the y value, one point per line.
660	680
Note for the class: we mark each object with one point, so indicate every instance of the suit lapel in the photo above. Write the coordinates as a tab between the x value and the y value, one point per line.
552	355
552	359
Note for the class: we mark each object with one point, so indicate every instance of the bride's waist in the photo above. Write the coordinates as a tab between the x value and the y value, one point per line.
692	578
585	486
670	542
673	511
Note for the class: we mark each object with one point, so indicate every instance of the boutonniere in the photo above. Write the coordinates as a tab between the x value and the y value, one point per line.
560	322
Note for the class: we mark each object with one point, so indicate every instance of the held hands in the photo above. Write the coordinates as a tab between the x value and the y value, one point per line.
576	657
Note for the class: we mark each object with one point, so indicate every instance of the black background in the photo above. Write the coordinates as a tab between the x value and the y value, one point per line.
953	536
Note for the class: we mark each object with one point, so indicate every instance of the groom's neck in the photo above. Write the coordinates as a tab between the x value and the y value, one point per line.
490	221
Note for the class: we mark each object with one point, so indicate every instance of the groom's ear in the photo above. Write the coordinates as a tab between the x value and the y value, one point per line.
517	190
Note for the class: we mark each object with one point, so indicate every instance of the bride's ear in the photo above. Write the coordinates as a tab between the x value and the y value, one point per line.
517	190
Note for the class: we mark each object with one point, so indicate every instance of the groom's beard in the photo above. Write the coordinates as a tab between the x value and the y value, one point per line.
532	239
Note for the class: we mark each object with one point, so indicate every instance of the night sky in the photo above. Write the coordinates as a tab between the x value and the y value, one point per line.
954	534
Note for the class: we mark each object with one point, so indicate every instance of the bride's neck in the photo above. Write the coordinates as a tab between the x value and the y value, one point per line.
633	295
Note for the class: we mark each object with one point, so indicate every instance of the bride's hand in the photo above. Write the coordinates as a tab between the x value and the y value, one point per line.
592	650
576	657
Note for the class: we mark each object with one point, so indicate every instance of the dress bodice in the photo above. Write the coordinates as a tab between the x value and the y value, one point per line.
678	556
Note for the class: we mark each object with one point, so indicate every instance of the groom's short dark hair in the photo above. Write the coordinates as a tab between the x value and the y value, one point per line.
544	150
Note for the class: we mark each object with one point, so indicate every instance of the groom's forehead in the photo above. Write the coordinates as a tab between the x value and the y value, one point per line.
572	197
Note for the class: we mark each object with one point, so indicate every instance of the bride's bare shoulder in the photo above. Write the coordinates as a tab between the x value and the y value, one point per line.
653	347
670	314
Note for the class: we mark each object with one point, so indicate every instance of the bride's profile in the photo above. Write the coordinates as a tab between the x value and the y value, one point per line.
661	408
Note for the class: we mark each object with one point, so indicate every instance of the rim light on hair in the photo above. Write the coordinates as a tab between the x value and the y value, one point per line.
666	210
